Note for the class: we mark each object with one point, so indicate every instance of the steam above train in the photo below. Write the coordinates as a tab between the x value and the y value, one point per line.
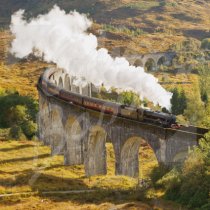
107	107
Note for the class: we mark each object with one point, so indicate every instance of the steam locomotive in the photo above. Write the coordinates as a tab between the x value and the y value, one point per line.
133	113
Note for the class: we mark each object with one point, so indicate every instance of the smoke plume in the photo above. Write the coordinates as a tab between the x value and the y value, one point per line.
63	39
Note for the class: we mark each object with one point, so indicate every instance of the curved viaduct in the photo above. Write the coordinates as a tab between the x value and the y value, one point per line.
80	134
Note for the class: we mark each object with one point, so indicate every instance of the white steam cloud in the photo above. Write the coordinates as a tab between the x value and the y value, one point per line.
63	39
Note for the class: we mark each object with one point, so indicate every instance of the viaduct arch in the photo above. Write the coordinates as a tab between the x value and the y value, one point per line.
152	61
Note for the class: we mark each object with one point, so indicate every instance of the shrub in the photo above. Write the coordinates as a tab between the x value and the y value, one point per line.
162	3
157	173
12	101
29	128
19	114
4	133
195	111
192	187
204	81
170	179
16	133
16	116
129	98
205	44
206	206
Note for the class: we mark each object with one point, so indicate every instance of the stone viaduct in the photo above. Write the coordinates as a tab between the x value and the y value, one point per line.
152	61
80	134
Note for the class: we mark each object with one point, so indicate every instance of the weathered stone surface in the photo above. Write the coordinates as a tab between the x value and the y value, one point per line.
56	130
73	154
80	135
95	154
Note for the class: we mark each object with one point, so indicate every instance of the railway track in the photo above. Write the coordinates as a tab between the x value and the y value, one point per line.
193	129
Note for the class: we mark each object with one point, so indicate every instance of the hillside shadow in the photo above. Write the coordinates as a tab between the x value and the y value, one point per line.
45	184
16	148
129	12
98	197
185	17
27	170
24	159
123	13
39	181
197	34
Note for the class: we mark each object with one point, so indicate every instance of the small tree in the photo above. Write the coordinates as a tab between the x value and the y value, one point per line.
206	119
174	101
204	82
182	102
178	101
129	98
195	110
29	128
17	115
16	133
204	97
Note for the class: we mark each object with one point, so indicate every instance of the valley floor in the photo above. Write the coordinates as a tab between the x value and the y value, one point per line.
27	166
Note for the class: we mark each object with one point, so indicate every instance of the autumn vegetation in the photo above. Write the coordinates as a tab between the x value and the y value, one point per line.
123	27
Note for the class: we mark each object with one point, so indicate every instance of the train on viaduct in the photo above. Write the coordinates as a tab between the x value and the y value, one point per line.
80	133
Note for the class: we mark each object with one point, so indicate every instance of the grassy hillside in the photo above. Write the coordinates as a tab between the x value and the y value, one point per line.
22	75
15	74
28	167
148	25
185	16
22	161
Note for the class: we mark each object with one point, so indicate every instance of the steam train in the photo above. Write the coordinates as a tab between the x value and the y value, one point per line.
107	107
